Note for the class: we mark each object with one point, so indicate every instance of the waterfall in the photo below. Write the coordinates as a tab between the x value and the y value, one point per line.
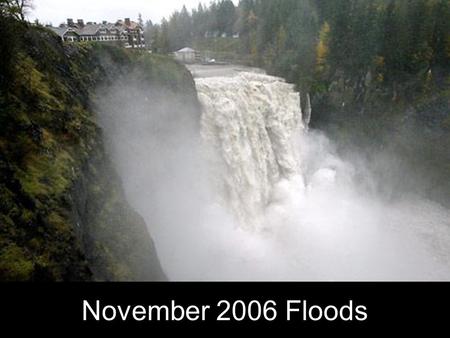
250	121
308	112
256	197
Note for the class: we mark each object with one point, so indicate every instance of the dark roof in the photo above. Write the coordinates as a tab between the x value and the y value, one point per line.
89	29
61	31
93	28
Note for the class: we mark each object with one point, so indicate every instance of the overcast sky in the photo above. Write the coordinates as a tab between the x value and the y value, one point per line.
57	11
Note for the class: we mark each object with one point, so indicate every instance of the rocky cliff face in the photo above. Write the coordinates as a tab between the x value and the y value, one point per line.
63	213
112	236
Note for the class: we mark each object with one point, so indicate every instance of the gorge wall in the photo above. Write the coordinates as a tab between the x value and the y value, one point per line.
63	213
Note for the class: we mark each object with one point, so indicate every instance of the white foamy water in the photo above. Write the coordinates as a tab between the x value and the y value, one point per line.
249	122
257	197
297	200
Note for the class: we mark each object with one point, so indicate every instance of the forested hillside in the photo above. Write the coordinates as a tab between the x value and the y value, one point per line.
63	212
378	72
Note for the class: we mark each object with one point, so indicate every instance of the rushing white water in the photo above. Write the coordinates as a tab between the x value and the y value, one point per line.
287	183
250	121
282	205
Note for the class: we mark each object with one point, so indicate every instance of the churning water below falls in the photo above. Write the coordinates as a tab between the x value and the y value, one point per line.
259	197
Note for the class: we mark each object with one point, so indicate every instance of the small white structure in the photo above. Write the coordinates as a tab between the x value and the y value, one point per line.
185	55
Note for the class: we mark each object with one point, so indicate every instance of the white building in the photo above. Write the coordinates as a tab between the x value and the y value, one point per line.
186	55
129	33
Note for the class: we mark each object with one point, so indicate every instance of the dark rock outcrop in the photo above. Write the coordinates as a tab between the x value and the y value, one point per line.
63	212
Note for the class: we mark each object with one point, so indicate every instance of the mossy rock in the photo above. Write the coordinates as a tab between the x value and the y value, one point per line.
15	265
63	213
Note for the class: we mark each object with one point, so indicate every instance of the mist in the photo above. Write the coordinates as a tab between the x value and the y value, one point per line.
327	222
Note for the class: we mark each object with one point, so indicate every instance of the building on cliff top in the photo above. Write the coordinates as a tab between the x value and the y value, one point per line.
126	32
186	55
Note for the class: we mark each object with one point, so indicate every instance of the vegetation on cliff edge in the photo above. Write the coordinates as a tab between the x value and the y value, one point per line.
63	215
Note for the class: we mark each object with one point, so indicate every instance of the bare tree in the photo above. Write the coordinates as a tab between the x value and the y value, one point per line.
15	8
